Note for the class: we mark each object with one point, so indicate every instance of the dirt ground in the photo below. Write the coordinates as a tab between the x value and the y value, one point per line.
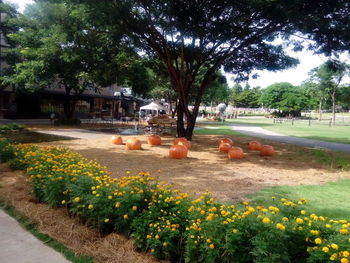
208	169
205	169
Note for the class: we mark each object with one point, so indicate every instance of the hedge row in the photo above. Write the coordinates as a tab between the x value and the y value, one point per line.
170	224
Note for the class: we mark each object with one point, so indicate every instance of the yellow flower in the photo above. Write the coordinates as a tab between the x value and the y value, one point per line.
280	226
344	231
318	241
156	236
125	216
208	240
299	220
110	197
325	249
106	220
344	260
90	206
117	204
211	246
266	220
134	208
165	244
63	202
76	200
148	236
334	246
314	232
345	254
234	231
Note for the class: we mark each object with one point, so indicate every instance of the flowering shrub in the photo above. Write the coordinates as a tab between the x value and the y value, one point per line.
170	224
6	150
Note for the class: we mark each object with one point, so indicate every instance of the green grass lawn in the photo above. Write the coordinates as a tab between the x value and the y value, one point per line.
339	134
330	199
217	130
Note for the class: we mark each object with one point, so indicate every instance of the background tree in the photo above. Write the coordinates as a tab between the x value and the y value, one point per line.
318	96
188	36
288	99
247	97
344	97
329	76
7	27
216	92
59	47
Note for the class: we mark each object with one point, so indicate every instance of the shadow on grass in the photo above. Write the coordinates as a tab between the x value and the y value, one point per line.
26	136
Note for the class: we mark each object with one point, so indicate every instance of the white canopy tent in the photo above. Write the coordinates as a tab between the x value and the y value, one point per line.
152	108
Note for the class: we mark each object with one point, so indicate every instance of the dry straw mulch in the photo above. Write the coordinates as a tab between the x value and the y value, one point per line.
15	189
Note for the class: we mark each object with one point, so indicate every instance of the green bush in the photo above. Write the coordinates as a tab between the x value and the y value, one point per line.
11	127
6	150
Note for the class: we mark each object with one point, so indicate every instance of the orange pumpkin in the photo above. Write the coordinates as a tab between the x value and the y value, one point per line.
178	151
224	147
183	141
226	140
267	150
235	153
116	139
255	146
154	140
133	144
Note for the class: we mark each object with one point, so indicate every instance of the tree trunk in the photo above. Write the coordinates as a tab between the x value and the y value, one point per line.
69	107
320	109
333	108
181	132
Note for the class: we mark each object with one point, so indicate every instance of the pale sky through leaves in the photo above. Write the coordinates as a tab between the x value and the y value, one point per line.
295	75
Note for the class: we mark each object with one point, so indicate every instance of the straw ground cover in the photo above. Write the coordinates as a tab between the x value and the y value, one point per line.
189	174
57	223
202	230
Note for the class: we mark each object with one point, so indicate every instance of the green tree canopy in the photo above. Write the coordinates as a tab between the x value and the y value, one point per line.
286	98
327	79
59	47
191	35
245	98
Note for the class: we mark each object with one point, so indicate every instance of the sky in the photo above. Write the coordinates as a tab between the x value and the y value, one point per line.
295	75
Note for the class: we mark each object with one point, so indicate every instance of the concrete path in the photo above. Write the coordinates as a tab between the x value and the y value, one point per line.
19	246
76	133
262	133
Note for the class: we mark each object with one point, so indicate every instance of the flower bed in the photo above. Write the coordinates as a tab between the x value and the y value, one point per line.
169	223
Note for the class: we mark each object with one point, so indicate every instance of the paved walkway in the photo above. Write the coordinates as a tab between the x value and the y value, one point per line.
262	133
77	133
19	246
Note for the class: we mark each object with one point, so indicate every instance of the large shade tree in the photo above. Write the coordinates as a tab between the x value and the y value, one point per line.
236	35
7	27
58	46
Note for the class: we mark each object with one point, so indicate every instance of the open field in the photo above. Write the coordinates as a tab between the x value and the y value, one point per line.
322	132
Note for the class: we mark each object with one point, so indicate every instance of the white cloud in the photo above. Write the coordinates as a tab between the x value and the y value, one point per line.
295	75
